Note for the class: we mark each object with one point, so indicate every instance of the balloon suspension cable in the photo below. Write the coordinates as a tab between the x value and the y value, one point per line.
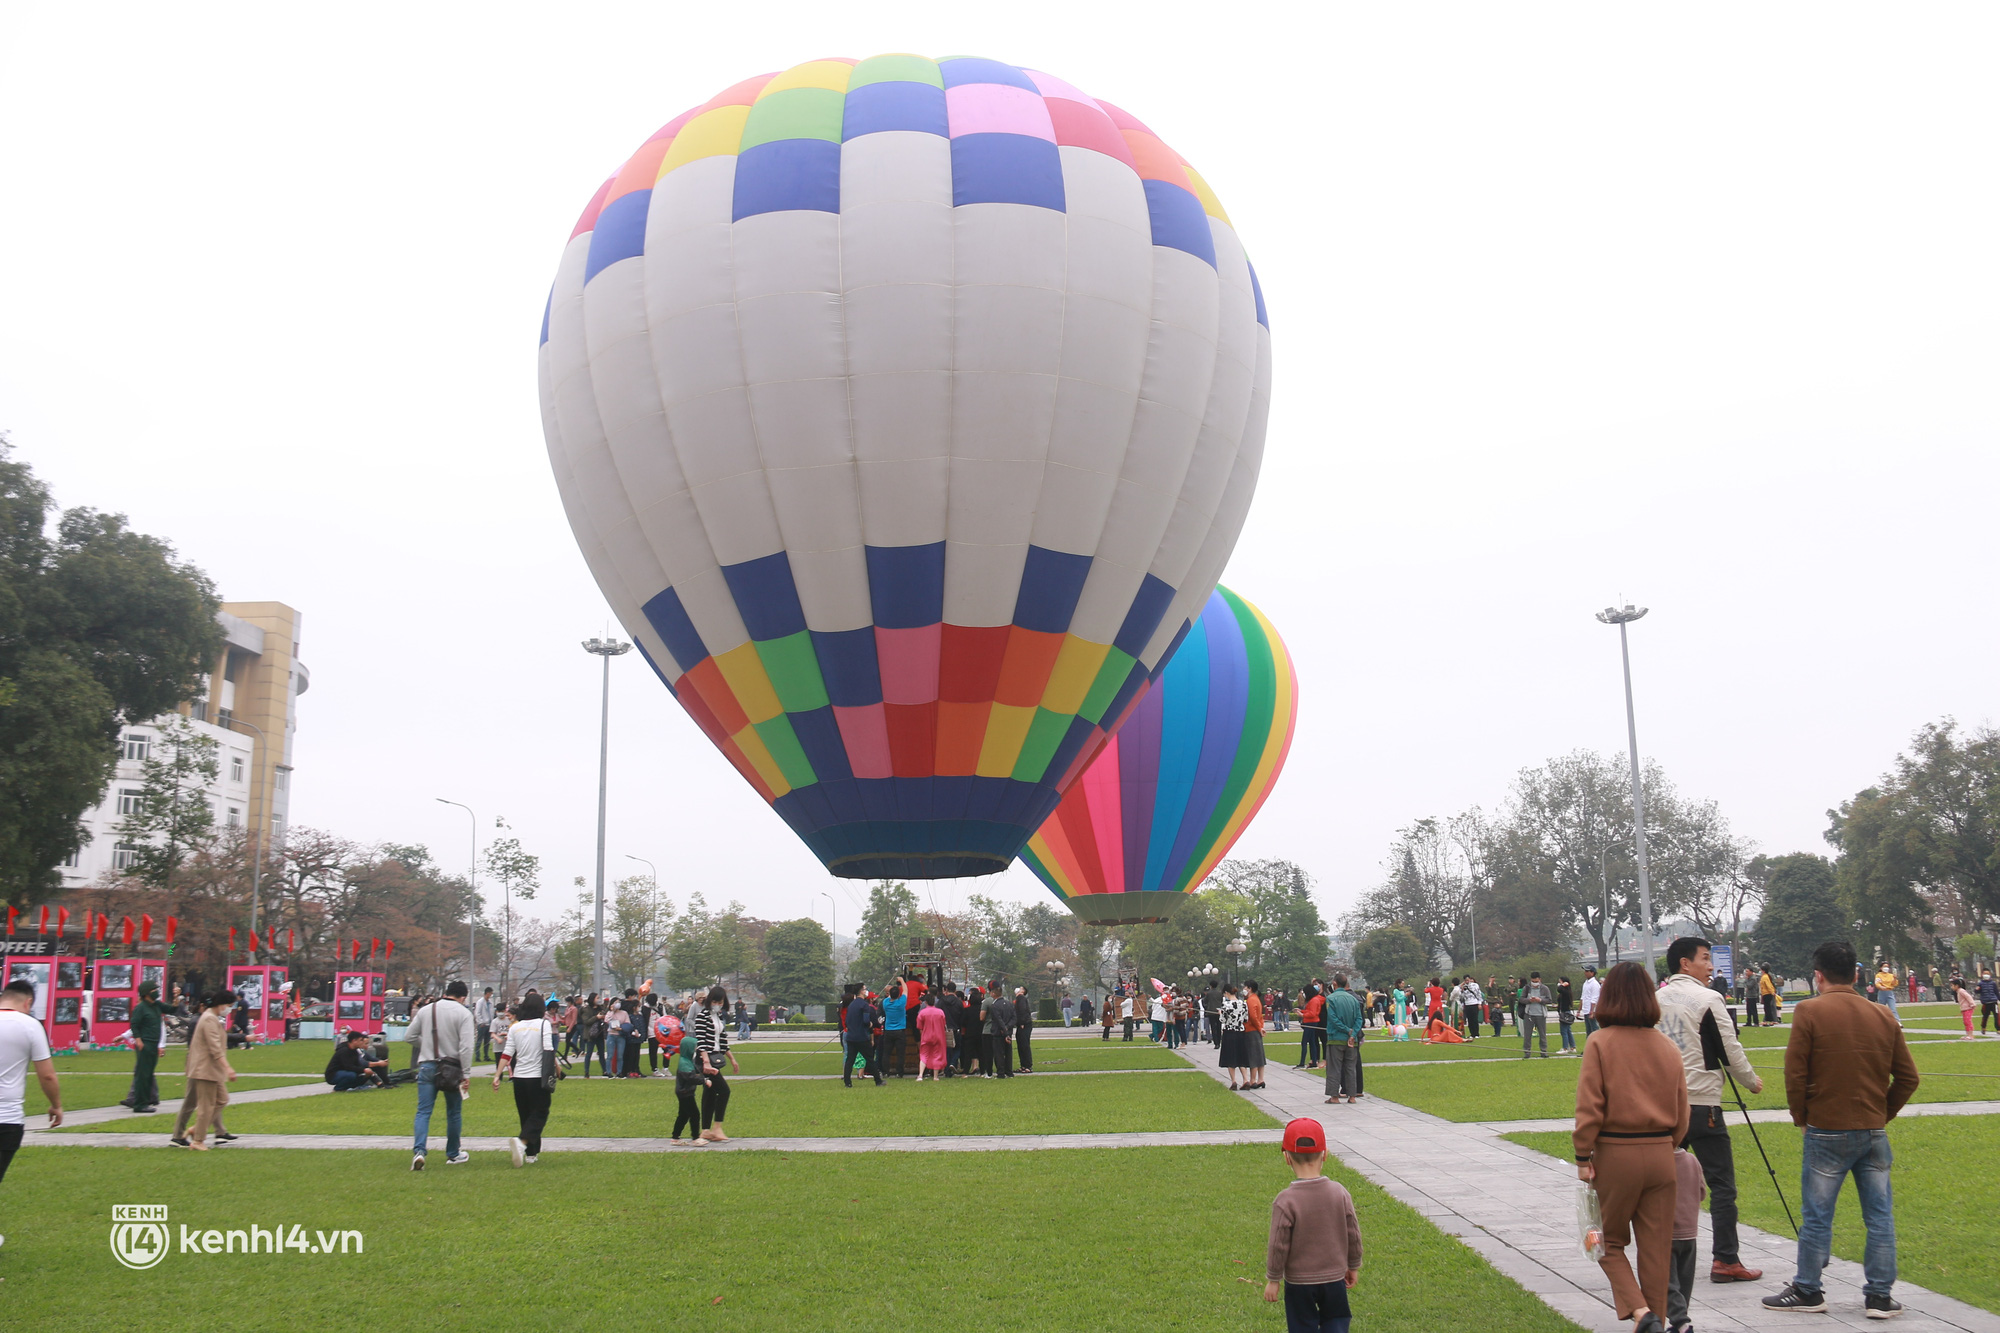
1751	1125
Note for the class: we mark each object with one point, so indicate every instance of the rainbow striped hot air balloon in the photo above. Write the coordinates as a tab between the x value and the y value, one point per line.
1170	793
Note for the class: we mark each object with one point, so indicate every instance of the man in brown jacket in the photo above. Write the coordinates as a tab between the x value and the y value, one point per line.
208	1067
1848	1072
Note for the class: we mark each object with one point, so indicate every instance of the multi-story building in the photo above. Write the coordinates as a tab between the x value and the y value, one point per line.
248	704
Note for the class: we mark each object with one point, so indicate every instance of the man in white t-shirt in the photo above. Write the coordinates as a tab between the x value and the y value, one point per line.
1591	985
22	1043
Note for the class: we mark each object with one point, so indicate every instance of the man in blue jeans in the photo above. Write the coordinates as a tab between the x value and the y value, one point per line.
1848	1072
443	1032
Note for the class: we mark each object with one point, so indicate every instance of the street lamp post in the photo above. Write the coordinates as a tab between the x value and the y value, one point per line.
652	908
606	649
1621	617
1235	950
472	913
833	934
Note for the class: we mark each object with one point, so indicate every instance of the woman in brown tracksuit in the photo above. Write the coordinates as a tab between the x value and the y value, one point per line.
1631	1109
208	1068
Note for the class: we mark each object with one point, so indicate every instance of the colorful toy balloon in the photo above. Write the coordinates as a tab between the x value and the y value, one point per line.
905	410
1172	791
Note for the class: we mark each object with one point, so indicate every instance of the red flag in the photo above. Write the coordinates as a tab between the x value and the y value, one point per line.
354	950
173	924
389	952
125	936
43	929
12	912
145	929
100	925
291	941
374	947
253	941
232	939
62	920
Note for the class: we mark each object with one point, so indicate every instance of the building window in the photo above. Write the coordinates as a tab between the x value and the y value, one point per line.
224	717
131	801
284	779
235	817
198	710
236	768
138	747
73	860
125	855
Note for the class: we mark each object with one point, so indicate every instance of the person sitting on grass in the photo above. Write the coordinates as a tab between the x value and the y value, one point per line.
350	1067
1315	1246
1441	1033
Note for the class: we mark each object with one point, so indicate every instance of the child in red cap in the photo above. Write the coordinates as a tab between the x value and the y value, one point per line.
1315	1247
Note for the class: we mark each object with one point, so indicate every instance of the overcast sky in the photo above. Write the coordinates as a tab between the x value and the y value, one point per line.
1692	305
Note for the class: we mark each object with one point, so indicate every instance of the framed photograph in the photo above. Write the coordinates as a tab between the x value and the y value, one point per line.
69	1009
113	1009
351	1009
38	975
354	984
378	984
250	990
279	976
375	1010
156	973
69	974
114	976
275	1010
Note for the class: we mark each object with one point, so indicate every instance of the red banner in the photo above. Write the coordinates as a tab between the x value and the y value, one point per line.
62	921
173	924
374	947
43	929
232	939
125	935
145	929
12	912
389	952
253	941
290	941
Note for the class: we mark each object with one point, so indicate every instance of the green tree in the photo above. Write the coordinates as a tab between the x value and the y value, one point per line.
1194	936
1920	852
638	926
886	925
172	817
100	626
519	875
1969	949
798	963
1277	919
1391	953
1801	912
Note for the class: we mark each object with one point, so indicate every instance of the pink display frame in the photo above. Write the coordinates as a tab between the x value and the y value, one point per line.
367	989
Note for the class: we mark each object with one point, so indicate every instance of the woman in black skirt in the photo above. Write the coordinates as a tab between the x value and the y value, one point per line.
1234	1014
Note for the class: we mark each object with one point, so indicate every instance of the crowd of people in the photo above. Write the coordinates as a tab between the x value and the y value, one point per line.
972	1032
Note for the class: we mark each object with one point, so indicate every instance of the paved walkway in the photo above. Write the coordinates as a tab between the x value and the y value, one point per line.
1516	1207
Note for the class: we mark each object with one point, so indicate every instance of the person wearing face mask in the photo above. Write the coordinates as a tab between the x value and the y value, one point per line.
1989	1001
711	1035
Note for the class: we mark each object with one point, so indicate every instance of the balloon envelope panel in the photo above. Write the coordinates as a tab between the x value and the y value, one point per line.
1170	793
906	410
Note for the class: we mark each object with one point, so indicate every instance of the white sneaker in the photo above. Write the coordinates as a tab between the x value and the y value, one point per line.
529	1160
460	1160
417	1162
519	1150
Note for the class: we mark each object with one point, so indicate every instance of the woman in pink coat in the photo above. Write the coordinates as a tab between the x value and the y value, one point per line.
930	1040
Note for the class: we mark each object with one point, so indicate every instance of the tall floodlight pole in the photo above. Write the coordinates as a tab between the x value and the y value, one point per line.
833	933
263	834
472	908
1621	617
606	649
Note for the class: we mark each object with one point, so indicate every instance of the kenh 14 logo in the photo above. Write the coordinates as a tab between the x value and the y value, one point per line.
140	1238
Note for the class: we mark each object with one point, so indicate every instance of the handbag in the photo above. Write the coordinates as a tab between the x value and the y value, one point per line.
450	1070
552	1070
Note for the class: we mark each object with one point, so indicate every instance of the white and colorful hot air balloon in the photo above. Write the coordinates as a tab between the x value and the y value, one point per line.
906	411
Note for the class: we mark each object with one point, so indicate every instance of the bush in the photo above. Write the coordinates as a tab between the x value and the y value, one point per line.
762	1013
1047	1012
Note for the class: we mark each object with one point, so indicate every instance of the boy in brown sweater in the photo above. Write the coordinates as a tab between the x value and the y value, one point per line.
1315	1248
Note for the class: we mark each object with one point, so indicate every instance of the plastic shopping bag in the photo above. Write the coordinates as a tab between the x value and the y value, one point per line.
1589	1220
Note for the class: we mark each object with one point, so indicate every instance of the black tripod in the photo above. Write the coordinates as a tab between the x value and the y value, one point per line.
1712	1057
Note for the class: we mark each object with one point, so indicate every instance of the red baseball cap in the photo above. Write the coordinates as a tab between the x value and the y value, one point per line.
1305	1135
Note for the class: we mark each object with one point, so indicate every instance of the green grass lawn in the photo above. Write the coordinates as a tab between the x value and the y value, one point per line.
885	1241
293	1057
645	1108
1942	1209
1543	1089
80	1092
